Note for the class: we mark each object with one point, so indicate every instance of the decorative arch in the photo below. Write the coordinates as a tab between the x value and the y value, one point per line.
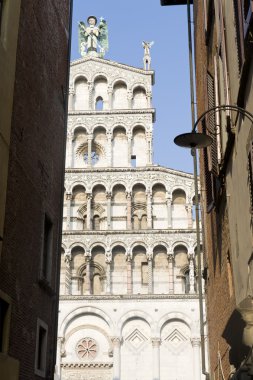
78	76
99	182
77	244
82	311
138	85
100	75
173	316
97	244
118	244
180	242
117	125
77	183
119	80
163	244
120	182
79	126
138	243
135	314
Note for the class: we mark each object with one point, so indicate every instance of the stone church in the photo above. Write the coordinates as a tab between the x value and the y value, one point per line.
128	291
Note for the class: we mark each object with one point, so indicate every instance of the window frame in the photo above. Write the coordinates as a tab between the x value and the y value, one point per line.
41	346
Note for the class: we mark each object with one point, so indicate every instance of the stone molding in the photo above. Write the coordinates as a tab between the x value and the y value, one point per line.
87	365
111	119
125	297
129	177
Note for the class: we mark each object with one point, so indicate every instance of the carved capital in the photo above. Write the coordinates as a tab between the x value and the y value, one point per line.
170	257
156	342
68	196
67	256
108	195
195	341
116	341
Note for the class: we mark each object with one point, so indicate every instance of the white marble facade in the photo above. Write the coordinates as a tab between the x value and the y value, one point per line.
128	292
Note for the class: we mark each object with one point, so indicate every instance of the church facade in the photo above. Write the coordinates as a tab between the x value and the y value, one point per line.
128	293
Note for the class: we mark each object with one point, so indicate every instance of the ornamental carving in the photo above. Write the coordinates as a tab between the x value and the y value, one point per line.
87	349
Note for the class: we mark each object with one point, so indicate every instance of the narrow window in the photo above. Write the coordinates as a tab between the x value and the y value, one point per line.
133	161
144	273
4	306
99	104
41	348
47	249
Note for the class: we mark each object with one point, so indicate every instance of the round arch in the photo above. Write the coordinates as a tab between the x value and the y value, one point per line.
135	314
173	316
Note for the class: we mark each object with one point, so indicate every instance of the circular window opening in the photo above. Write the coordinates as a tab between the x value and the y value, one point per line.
87	348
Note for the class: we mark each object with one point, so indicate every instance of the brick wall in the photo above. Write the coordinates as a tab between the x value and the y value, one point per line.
35	178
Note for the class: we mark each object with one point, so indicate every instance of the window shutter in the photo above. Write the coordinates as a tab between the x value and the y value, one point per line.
210	120
239	32
250	175
208	177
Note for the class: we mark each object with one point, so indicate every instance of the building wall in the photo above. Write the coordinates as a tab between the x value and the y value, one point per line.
128	267
35	120
224	179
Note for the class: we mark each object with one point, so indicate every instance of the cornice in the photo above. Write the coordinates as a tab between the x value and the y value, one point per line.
86	365
130	232
153	168
125	297
112	63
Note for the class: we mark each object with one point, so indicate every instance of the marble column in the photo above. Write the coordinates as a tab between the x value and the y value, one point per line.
189	215
116	343
129	210
90	88
109	90
109	199
109	148
149	97
129	274
68	198
149	147
149	209
89	198
71	99
67	258
75	285
195	341
129	149
108	275
191	274
89	163
150	274
171	273
156	358
69	149
130	100
169	211
87	284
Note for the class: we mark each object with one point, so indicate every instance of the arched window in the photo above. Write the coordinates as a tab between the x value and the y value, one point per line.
99	104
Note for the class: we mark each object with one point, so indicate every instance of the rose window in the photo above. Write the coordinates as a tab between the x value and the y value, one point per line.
87	348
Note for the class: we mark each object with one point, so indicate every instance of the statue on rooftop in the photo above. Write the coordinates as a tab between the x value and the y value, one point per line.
93	39
147	57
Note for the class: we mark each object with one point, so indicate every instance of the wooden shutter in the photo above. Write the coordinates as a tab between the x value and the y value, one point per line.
239	32
211	124
208	176
250	175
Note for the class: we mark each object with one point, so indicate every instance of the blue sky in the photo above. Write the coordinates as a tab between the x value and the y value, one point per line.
129	23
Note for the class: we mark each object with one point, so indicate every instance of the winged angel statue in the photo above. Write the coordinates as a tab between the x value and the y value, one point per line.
93	39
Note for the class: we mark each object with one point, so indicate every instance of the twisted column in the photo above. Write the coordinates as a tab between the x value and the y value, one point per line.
67	258
150	270
108	260
90	89
69	149
89	150
109	148
149	209
87	284
171	273
129	149
168	201
191	274
129	210
89	198
68	198
129	273
109	199
129	99
189	214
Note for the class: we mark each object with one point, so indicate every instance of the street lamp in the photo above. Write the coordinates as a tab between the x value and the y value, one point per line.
199	140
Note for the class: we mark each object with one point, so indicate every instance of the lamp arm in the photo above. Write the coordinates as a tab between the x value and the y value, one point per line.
223	107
